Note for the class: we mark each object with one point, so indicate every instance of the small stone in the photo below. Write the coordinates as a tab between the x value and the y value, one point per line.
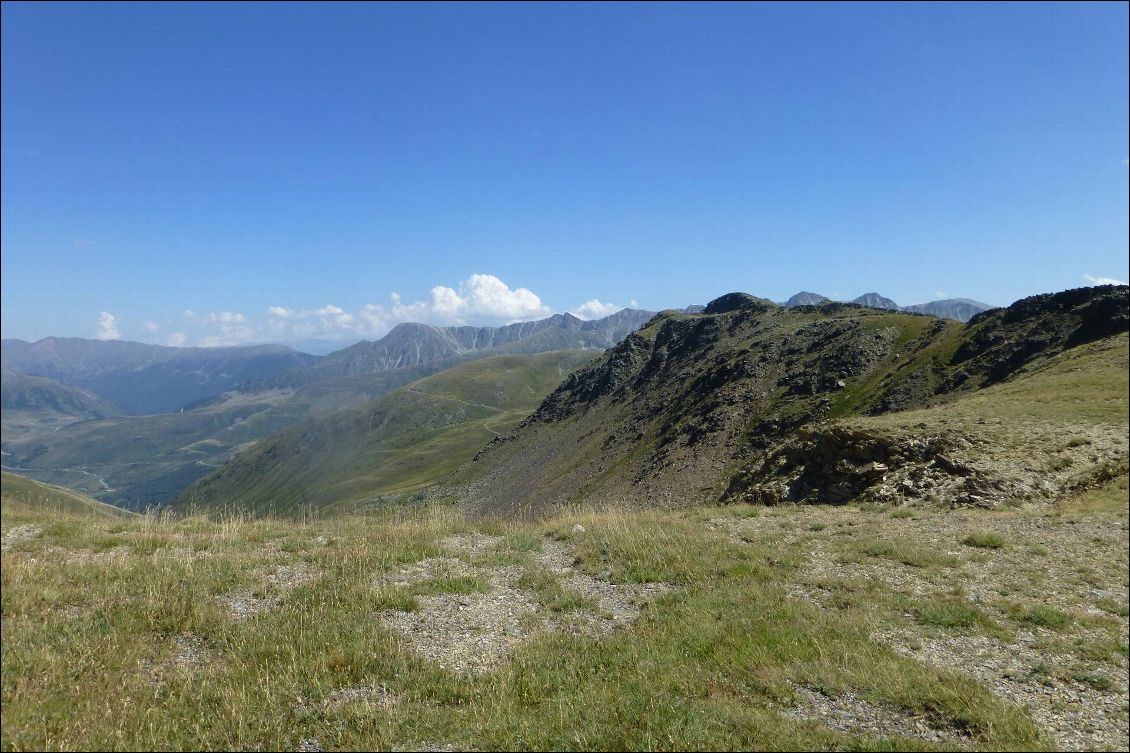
578	528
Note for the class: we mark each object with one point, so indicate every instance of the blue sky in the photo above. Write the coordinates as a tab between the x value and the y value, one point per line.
209	174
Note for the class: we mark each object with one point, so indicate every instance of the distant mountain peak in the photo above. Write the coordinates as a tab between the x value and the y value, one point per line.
876	301
805	298
734	302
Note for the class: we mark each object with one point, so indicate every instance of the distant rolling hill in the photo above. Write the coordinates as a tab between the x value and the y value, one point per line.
16	490
146	379
405	440
35	405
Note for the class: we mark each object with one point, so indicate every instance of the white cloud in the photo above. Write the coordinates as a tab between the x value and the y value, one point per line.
226	317
176	339
1102	280
481	299
228	328
108	326
939	294
151	327
594	309
334	317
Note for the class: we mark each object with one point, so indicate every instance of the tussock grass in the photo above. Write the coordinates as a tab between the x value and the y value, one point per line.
1043	616
984	540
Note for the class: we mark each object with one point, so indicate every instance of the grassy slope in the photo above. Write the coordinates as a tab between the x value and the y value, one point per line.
20	492
713	665
403	441
1084	385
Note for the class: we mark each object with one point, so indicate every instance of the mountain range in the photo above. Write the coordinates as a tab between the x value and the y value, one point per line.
961	309
813	357
237	396
412	344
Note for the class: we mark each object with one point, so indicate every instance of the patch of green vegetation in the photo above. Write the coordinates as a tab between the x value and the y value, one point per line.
902	513
984	540
1044	616
1060	464
551	594
1111	497
398	599
909	553
1113	606
450	584
950	613
1096	680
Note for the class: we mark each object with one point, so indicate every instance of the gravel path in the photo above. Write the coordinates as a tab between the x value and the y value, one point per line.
1079	567
477	632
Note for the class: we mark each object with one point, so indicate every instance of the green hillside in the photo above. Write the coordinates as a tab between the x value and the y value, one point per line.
735	403
31	496
403	441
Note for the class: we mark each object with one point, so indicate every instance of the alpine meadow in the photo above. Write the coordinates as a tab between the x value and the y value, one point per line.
432	377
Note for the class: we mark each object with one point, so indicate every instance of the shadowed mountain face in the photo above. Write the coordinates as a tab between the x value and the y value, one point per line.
145	379
674	412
